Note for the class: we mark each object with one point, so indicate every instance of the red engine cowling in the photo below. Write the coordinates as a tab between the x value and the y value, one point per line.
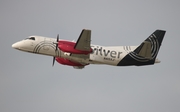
67	62
67	46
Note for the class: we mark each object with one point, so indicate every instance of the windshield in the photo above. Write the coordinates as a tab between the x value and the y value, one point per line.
31	38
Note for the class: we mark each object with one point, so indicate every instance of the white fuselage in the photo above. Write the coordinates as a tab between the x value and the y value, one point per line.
110	55
81	53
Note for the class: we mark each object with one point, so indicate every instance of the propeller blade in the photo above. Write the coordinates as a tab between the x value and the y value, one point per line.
58	38
56	49
57	41
53	61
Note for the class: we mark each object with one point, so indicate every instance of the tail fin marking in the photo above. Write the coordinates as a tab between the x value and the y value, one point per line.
146	53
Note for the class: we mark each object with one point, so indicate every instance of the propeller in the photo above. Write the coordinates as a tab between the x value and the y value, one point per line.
56	48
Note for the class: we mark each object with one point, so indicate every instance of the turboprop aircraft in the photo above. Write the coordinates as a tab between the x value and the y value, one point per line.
82	53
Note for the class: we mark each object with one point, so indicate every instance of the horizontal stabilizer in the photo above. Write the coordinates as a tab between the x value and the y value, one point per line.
144	50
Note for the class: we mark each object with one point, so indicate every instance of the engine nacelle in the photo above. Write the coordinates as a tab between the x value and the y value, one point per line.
67	62
67	46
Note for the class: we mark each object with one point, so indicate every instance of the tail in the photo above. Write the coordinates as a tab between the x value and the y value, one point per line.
150	47
146	53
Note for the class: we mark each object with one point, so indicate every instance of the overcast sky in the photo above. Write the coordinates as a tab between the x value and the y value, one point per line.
29	83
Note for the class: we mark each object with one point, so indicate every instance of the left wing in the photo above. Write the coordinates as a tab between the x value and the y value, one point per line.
84	41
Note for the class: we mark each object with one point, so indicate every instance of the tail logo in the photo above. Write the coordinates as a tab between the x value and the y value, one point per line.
154	50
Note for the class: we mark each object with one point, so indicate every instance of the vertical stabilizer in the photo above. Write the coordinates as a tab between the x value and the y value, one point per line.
150	47
146	52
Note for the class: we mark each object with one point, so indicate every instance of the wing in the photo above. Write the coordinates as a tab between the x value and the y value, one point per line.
83	56
84	41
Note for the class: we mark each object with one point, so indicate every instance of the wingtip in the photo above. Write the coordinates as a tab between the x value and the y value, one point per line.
86	29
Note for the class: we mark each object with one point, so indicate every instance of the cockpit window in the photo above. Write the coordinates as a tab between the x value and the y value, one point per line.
31	38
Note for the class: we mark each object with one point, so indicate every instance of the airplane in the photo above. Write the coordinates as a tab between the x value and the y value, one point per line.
82	53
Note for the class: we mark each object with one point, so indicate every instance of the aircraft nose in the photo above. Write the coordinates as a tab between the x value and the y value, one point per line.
15	45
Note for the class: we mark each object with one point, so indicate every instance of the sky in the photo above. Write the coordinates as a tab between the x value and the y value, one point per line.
29	83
